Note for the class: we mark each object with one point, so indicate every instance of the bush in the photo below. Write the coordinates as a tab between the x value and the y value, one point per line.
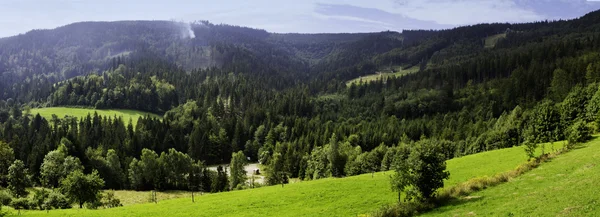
404	209
5	198
38	198
20	203
578	132
3	213
56	200
93	205
530	148
422	173
109	200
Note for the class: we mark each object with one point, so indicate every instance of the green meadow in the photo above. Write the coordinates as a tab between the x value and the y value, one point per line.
395	71
350	196
491	41
61	112
565	186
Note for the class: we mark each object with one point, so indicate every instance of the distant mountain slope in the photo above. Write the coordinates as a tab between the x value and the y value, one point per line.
92	47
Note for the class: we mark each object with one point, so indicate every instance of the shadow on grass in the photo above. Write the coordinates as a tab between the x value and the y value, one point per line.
579	146
461	201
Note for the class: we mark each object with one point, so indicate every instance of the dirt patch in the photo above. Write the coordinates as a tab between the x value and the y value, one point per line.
471	197
539	178
566	211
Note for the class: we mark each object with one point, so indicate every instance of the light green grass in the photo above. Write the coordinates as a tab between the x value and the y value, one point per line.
491	41
565	186
61	112
395	71
128	198
335	97
349	196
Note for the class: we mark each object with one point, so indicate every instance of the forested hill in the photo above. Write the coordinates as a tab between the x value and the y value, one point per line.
283	99
50	56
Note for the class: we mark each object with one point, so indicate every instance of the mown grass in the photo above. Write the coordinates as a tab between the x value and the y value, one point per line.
491	41
349	196
395	71
61	112
566	185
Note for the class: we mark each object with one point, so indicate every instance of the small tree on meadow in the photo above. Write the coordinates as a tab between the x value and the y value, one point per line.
82	188
336	160
238	173
422	173
577	133
18	179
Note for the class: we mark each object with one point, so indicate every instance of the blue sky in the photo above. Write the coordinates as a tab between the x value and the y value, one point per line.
306	16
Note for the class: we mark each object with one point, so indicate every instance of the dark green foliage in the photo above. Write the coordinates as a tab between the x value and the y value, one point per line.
420	174
237	171
20	204
336	159
199	178
5	198
219	182
276	173
7	157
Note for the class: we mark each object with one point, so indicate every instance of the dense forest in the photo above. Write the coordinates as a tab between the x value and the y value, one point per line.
282	99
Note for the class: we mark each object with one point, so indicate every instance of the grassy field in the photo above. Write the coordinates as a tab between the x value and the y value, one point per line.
396	71
82	112
139	197
349	196
490	42
565	186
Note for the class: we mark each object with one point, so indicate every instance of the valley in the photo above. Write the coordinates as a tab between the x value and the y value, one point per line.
129	117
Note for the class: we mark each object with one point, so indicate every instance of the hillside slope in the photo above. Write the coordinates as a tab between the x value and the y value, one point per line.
566	186
326	197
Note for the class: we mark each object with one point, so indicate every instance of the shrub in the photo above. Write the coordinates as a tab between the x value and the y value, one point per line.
109	200
5	198
578	132
530	148
404	209
93	205
20	203
38	198
422	173
56	200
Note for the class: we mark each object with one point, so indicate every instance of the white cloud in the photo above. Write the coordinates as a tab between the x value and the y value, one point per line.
19	16
460	12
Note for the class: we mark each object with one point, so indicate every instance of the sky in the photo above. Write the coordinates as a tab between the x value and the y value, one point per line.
284	16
